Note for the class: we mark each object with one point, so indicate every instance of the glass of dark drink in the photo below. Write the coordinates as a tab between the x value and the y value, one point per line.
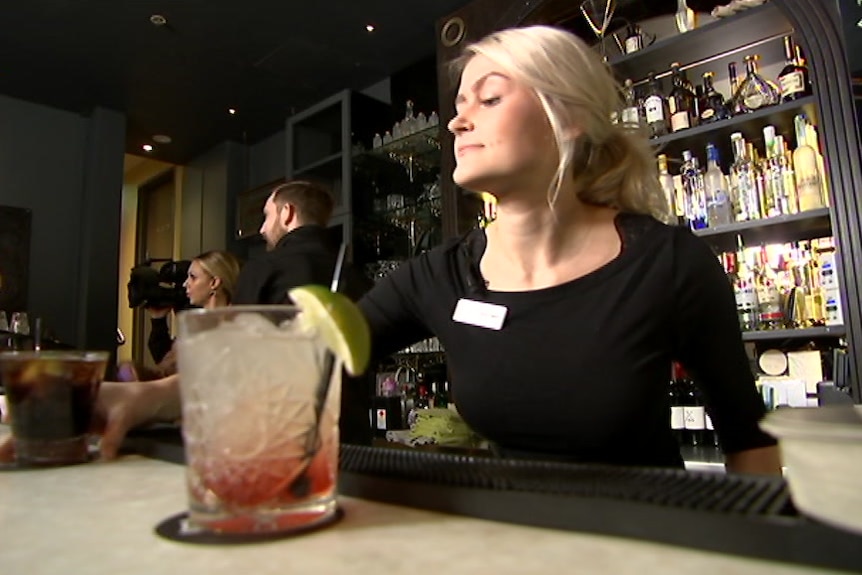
50	396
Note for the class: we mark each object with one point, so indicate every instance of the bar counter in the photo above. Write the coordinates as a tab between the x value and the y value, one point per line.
100	518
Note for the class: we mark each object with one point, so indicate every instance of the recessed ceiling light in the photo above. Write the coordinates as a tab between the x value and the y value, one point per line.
147	148
162	139
369	27
231	111
158	20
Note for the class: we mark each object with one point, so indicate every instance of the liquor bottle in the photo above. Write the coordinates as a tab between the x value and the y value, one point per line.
630	114
666	181
773	190
655	109
744	180
677	417
806	169
695	200
793	80
441	393
745	293
712	107
680	102
718	207
634	40
686	18
769	309
693	413
732	103
755	92
786	162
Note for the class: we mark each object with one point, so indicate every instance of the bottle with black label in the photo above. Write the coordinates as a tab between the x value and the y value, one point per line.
793	80
712	107
680	102
655	109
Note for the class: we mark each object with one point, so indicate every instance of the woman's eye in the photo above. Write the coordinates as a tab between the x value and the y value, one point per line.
491	101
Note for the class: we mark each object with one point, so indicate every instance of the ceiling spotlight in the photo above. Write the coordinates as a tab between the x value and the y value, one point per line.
231	111
147	148
162	139
369	27
158	20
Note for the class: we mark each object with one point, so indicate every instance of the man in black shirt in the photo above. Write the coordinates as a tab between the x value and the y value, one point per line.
301	251
300	248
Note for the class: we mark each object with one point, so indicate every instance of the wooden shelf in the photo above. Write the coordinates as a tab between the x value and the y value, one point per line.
802	333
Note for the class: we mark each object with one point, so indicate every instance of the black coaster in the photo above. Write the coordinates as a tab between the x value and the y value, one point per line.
176	528
19	466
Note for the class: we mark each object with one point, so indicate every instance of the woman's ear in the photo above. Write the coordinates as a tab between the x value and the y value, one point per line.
215	283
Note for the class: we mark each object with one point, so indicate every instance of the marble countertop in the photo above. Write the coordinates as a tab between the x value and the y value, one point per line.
100	518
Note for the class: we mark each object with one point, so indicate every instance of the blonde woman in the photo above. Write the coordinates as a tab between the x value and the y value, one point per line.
560	320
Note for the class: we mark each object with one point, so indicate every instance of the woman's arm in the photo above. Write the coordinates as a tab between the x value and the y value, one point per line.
760	460
708	342
122	406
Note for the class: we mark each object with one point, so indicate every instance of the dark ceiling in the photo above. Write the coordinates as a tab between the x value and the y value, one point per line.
266	59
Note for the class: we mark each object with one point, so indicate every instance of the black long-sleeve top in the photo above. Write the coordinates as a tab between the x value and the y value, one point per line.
580	370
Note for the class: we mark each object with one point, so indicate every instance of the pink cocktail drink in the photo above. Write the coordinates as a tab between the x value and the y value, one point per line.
258	458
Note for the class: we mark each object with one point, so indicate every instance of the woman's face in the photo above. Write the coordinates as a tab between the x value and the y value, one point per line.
503	140
198	284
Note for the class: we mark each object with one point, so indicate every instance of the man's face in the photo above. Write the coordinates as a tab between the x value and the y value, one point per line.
274	227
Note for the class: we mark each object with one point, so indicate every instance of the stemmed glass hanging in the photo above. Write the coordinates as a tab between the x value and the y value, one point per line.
598	14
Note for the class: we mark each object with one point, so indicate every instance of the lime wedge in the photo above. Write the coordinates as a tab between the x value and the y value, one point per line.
339	322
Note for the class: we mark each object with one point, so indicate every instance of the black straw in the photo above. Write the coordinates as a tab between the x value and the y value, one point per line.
302	483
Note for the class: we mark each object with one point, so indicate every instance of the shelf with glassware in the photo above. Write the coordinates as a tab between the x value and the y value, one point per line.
397	198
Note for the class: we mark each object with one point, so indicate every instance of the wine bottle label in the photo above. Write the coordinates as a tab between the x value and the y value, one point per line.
792	83
381	419
677	417
694	417
654	109
707	114
708	420
679	121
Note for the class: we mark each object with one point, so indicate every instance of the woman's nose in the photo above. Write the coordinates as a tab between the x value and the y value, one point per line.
459	124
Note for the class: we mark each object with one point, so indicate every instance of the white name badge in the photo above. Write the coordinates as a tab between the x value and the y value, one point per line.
481	314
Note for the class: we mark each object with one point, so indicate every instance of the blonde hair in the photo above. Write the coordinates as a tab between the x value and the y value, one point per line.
222	265
612	165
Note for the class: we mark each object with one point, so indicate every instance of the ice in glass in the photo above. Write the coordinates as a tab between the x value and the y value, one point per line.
250	381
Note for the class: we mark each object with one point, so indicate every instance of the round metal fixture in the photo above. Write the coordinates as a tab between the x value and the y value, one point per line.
158	20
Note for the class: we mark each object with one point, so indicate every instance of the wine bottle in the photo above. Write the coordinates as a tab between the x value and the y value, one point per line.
677	415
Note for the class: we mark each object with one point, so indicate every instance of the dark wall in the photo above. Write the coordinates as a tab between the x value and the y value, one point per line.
418	83
67	169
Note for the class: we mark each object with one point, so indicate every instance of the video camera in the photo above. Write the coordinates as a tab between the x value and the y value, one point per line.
162	288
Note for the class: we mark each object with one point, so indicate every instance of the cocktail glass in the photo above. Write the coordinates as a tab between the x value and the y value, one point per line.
261	442
598	14
50	396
